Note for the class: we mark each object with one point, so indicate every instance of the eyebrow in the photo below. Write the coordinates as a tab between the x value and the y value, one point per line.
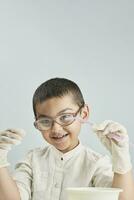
62	111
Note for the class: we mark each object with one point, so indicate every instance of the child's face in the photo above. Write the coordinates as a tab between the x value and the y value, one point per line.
64	138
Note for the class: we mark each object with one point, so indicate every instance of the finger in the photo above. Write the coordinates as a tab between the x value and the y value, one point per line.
115	128
19	132
104	139
4	146
8	140
102	126
118	137
11	135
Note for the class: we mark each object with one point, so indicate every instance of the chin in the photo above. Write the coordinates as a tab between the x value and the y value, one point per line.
64	149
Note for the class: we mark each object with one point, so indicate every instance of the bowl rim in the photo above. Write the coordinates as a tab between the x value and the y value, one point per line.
93	189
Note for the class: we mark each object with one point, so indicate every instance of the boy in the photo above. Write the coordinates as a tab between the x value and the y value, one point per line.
60	110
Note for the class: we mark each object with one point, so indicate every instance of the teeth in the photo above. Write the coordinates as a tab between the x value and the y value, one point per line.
59	136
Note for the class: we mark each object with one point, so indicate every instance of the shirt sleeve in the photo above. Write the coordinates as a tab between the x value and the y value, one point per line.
23	176
103	176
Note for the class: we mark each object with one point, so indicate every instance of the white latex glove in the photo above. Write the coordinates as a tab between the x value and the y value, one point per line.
115	138
7	139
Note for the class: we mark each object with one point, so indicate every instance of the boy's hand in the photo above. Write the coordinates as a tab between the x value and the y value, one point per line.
115	138
7	139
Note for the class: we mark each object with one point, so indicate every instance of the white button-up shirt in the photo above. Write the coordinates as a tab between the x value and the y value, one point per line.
46	172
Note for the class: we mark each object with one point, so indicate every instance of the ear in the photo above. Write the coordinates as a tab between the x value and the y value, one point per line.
85	113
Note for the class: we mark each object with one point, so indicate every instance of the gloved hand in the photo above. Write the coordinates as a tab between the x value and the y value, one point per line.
7	139
115	138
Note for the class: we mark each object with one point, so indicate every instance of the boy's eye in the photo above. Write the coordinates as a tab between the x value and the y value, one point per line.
66	118
45	121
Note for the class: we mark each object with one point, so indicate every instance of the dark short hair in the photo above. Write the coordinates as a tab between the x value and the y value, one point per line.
57	87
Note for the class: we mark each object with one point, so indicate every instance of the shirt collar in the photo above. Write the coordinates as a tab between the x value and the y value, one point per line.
66	156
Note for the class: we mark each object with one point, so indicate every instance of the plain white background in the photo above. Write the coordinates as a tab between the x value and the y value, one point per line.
90	42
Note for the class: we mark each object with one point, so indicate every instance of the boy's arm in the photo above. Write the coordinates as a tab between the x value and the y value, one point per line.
8	187
124	181
114	137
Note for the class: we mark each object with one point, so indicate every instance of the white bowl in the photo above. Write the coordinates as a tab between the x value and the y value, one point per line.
92	193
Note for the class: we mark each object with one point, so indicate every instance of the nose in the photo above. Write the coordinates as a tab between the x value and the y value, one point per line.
56	127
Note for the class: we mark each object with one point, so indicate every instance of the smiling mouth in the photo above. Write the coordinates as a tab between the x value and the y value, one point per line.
60	137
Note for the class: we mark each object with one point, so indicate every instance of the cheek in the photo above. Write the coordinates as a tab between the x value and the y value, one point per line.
45	135
74	128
